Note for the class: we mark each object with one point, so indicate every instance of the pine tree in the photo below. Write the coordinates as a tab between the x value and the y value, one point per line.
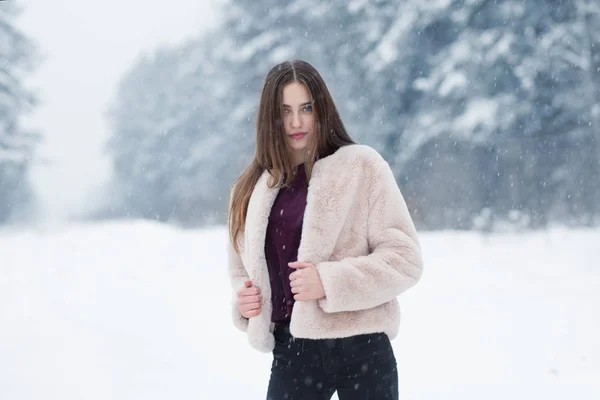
16	144
184	119
484	110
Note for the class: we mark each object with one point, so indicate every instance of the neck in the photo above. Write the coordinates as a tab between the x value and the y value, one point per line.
299	158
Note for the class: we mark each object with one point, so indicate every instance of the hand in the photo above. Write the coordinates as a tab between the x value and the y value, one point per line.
249	300
305	281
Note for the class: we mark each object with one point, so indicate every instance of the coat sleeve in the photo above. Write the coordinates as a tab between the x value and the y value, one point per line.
394	263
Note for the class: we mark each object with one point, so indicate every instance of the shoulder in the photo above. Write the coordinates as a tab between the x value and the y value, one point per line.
358	154
364	162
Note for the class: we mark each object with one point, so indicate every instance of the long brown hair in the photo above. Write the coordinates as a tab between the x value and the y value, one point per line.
272	151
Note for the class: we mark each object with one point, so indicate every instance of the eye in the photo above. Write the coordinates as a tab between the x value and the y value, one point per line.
307	108
286	110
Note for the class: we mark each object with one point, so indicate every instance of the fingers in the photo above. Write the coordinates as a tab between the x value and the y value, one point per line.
250	310
249	307
305	295
299	286
301	290
248	291
302	296
296	282
298	274
249	299
300	264
251	314
302	269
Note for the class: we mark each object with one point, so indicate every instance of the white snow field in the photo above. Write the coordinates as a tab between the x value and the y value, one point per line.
139	310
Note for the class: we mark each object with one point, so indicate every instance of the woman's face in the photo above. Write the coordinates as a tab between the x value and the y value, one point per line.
298	118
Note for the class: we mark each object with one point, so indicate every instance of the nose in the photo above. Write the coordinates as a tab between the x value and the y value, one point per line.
295	120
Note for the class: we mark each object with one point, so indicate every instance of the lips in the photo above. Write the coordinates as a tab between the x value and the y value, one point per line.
298	135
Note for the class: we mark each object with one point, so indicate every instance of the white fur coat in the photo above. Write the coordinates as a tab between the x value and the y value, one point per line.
358	233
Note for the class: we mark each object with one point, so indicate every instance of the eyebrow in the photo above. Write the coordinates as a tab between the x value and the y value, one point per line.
301	105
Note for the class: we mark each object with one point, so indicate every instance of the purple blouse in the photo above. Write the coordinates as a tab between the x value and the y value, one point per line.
282	241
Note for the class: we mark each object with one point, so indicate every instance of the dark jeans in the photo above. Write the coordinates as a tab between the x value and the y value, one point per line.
358	367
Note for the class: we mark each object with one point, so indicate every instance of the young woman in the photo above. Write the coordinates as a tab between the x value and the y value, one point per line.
321	244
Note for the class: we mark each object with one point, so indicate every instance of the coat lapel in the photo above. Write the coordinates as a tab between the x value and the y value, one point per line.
257	220
327	206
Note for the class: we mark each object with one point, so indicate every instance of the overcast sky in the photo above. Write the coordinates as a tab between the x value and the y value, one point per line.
86	45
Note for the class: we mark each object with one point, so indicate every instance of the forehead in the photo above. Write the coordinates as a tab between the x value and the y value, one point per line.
295	93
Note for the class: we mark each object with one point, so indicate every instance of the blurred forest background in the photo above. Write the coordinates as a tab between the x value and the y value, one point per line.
487	111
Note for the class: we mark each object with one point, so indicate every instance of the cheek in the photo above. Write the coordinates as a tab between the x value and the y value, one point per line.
286	125
311	123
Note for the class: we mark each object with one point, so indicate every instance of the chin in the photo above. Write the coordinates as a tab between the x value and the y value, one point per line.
298	146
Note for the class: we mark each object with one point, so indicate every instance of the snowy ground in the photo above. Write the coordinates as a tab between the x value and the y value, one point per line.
138	310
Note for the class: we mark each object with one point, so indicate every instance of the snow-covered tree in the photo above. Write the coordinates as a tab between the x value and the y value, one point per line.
165	138
502	111
570	109
482	108
183	120
16	144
